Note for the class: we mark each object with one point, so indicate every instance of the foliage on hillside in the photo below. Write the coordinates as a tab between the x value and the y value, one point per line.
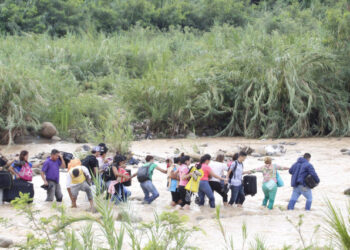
277	69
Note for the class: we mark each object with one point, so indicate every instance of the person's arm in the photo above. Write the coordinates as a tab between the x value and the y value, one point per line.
68	181
12	171
63	163
42	173
117	174
38	164
9	163
44	178
212	174
281	168
292	169
252	171
161	170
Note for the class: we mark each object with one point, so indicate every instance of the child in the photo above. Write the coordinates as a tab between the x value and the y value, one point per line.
174	181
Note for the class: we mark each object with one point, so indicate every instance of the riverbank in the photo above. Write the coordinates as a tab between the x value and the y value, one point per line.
331	165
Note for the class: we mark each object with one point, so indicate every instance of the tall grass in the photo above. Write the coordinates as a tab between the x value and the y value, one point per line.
338	226
282	74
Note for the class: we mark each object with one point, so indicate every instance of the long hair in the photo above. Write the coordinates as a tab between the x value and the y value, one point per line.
23	154
203	159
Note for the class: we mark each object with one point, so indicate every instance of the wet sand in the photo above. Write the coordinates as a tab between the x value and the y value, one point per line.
333	169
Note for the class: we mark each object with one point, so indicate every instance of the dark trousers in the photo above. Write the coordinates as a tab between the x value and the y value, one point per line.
217	187
183	192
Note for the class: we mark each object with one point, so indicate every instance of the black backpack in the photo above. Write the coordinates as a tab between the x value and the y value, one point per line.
143	173
67	157
310	181
108	174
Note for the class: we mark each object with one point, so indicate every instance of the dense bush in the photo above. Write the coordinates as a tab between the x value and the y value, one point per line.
277	69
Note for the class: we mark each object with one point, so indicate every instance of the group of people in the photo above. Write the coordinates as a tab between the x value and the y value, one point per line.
185	180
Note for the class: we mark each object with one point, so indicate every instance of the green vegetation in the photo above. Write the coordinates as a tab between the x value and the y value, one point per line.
219	67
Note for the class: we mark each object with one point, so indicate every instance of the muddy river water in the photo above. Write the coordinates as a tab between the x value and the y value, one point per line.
332	167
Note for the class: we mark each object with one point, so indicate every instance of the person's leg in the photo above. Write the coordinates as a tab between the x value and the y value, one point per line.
307	193
145	191
209	193
51	191
58	193
153	191
266	193
241	196
86	188
234	194
217	187
74	191
182	192
201	193
127	193
272	196
295	196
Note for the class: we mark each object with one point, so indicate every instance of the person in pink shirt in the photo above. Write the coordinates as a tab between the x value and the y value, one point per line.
184	178
204	187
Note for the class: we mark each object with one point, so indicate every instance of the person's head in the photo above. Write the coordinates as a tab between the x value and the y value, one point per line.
205	159
55	154
23	156
242	156
168	162
149	158
235	157
185	159
220	158
76	172
307	156
96	151
177	160
103	148
120	161
268	160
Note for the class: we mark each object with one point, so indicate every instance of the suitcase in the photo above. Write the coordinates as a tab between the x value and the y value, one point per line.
6	180
18	186
249	184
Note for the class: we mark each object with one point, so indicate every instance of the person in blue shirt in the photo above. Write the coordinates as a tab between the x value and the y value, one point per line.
299	171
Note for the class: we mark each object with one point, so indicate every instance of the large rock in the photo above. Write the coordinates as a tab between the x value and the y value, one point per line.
5	243
56	138
48	130
275	150
347	191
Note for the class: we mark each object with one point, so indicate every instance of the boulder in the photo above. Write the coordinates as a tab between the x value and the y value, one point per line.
48	130
347	191
86	148
56	138
275	150
5	243
36	171
191	136
256	155
343	150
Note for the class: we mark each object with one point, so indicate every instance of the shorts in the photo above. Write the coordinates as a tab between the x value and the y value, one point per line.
81	187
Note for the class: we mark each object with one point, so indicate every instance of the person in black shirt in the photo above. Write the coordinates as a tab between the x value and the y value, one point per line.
91	161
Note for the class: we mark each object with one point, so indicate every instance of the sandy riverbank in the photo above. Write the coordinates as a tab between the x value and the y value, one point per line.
332	167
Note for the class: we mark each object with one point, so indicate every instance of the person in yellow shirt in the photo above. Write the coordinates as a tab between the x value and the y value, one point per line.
78	179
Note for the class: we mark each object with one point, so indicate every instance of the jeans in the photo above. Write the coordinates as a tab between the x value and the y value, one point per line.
147	188
297	191
54	190
121	195
270	196
205	190
237	195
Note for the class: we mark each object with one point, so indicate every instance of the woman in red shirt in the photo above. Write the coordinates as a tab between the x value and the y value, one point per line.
204	187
